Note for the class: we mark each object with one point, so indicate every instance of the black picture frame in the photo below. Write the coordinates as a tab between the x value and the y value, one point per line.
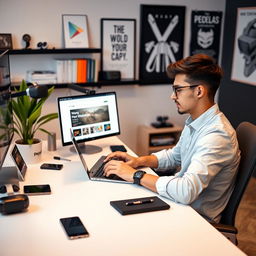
118	44
161	41
5	41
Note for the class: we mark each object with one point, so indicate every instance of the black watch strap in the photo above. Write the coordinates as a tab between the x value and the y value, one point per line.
137	176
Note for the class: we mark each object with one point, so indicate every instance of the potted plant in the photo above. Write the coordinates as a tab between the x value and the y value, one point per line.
27	121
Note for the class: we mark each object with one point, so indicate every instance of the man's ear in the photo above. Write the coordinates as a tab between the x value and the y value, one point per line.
201	90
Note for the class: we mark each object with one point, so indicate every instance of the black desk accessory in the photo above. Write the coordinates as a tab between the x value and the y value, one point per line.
162	122
139	205
13	203
115	148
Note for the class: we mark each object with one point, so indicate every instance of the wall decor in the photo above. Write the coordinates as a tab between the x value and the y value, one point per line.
205	33
5	41
118	44
75	28
161	41
244	56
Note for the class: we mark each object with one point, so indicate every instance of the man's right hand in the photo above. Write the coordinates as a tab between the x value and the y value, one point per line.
123	156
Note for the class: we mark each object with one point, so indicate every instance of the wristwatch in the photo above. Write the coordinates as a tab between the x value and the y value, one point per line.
137	176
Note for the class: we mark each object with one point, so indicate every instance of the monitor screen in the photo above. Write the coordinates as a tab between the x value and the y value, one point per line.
89	117
6	121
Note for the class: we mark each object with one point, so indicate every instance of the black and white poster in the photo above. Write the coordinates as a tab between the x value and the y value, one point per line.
161	41
244	57
205	33
118	46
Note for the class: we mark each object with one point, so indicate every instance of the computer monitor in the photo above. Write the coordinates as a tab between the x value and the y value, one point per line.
6	121
89	117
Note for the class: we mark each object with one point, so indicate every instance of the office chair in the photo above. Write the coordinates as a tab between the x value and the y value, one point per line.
246	135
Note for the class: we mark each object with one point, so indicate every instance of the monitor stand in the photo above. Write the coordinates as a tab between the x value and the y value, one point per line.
9	177
87	149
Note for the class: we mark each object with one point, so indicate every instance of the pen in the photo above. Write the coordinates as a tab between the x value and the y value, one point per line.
140	202
60	158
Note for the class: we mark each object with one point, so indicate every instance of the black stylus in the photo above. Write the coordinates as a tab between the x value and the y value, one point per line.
148	201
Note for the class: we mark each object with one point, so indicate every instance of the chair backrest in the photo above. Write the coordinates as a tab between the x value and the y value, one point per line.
246	135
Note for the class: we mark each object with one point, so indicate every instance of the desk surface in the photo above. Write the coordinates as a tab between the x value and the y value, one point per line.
178	231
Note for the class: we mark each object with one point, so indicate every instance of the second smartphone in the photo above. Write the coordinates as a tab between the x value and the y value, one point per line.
74	227
49	166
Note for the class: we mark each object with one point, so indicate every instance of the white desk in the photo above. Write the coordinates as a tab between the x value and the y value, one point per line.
37	232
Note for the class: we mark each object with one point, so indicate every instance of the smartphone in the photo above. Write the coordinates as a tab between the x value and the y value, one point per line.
74	227
118	148
37	189
51	166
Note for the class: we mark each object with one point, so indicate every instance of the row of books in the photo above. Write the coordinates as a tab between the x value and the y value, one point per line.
41	76
77	70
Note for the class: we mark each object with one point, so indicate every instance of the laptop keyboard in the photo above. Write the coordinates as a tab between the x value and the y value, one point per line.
98	170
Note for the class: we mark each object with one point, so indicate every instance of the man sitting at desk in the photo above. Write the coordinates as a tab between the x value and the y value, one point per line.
207	152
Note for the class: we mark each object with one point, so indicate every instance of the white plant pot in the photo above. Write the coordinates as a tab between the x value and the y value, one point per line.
31	153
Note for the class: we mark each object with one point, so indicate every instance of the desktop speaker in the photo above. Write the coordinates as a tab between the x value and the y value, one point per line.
109	75
13	204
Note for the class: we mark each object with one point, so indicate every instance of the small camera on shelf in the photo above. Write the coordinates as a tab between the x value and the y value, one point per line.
162	122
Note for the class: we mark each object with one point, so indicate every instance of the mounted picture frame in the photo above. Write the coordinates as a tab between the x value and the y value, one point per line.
161	41
5	41
118	44
75	30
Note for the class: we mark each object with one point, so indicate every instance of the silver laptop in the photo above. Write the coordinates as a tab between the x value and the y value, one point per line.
96	172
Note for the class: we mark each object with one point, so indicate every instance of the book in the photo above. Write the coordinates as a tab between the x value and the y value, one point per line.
134	205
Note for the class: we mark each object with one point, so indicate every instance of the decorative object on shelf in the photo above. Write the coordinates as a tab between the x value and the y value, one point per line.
5	41
244	57
205	33
110	75
161	41
118	43
42	45
75	29
27	121
26	38
162	122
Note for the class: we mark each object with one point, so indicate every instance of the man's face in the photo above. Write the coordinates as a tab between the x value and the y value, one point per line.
184	94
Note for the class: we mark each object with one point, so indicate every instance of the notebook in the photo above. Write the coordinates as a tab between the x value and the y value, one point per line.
96	172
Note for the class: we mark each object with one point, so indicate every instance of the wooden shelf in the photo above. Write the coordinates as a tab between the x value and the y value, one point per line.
147	133
54	51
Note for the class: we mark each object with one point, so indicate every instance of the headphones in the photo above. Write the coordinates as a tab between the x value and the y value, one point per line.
42	45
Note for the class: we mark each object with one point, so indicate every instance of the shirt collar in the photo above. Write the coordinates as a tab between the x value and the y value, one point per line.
203	118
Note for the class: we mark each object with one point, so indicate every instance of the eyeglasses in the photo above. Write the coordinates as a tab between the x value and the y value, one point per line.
178	89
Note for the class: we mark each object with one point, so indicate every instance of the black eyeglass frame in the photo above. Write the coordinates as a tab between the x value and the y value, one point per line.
176	89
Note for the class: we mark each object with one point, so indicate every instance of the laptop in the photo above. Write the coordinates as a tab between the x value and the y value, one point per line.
96	172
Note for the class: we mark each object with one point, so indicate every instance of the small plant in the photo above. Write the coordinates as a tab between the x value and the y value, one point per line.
27	115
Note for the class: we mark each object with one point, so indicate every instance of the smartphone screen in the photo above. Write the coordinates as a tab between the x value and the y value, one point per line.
51	166
37	189
74	227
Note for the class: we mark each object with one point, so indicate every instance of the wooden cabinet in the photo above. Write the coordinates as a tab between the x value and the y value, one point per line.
152	139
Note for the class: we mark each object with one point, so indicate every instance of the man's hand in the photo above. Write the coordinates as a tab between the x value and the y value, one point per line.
120	168
123	156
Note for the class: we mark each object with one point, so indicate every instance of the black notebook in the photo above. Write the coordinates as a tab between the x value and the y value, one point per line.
139	205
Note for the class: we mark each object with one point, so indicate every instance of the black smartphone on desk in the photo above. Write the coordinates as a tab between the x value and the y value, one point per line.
74	227
115	148
37	189
49	166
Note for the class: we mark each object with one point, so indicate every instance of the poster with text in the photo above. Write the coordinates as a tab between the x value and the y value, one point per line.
205	33
118	46
244	57
161	41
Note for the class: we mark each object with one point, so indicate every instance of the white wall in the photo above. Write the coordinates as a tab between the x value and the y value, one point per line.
43	21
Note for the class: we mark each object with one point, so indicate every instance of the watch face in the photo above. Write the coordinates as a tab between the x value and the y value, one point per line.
137	176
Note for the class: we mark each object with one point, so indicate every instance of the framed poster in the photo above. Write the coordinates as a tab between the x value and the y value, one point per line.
5	41
75	29
161	41
244	56
118	44
205	33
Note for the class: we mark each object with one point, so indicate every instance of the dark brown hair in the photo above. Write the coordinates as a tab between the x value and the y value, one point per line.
199	68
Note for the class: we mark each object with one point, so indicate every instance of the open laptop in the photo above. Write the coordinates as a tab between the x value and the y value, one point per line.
96	172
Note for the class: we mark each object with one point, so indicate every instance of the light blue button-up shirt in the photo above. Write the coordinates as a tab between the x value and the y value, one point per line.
208	155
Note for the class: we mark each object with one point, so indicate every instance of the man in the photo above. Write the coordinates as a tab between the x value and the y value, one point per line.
207	152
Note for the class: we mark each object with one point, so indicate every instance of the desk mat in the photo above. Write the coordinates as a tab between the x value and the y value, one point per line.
154	204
